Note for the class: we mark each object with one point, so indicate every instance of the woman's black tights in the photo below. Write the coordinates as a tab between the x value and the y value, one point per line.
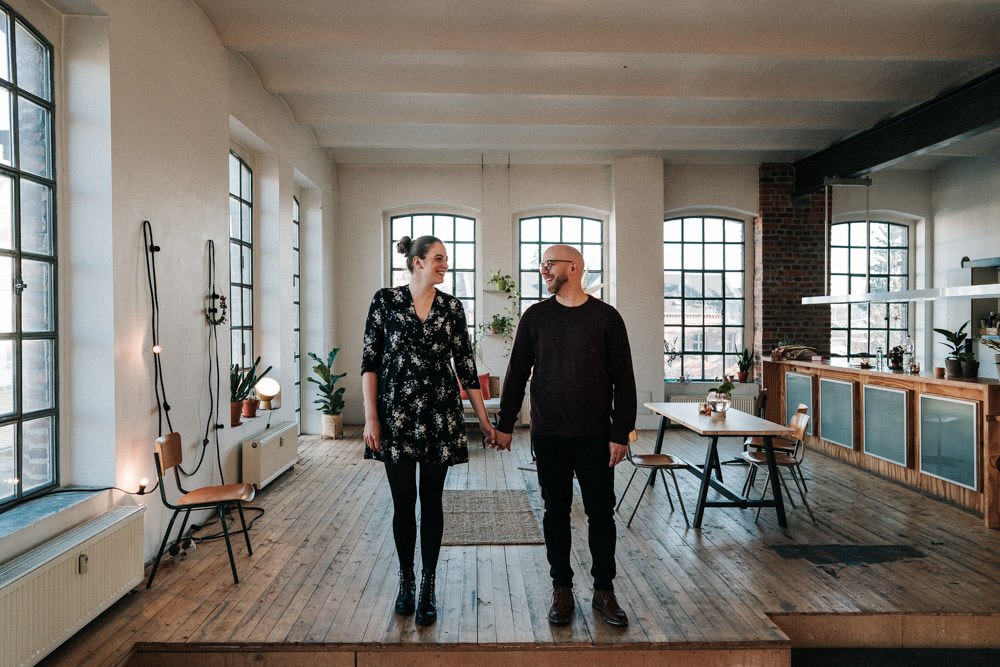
402	477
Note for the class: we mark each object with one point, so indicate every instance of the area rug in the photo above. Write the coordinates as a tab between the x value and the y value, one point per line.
489	517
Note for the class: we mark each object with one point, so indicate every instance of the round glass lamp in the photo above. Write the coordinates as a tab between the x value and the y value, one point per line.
267	389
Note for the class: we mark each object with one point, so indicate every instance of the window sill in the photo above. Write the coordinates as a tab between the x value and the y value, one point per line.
29	524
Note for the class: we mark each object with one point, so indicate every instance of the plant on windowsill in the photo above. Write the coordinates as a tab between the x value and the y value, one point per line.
744	360
955	341
241	383
331	398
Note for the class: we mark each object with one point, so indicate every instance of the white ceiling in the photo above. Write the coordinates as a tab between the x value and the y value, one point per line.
585	81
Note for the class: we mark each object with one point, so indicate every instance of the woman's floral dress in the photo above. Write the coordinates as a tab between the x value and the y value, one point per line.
419	407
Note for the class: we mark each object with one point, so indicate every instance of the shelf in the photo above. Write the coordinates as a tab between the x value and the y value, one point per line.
990	291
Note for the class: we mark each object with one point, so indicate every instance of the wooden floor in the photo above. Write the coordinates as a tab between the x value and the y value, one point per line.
320	584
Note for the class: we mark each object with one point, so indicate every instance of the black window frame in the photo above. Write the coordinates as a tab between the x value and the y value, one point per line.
530	252
241	292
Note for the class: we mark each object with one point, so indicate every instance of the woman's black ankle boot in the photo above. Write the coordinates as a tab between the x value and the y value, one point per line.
407	591
426	611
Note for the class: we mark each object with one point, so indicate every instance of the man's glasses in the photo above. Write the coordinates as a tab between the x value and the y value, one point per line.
547	264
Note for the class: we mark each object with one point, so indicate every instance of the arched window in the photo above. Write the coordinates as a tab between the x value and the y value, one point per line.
704	302
536	234
28	343
880	265
458	233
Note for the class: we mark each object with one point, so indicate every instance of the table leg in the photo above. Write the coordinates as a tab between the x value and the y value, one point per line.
779	500
659	443
711	460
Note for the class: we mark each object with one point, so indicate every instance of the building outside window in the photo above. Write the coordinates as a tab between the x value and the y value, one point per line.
296	310
458	234
536	234
881	265
28	342
704	302
240	261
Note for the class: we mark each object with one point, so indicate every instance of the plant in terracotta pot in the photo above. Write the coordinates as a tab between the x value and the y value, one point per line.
744	360
331	398
955	341
241	383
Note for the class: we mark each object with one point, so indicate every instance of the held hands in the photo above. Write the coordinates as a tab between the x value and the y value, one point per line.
502	440
617	453
489	434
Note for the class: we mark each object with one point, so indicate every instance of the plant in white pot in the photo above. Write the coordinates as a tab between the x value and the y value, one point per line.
331	398
994	345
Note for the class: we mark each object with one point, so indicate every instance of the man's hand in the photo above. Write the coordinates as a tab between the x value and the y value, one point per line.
617	453
503	440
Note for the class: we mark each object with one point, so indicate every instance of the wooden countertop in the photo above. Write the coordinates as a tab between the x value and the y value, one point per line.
925	375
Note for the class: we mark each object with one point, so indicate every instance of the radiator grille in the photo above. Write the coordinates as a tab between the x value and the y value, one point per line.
268	454
742	403
45	597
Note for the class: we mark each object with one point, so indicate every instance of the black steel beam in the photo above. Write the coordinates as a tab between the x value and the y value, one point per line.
948	118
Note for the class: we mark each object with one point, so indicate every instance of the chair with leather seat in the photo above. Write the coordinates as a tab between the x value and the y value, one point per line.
652	462
759	410
779	445
168	455
793	462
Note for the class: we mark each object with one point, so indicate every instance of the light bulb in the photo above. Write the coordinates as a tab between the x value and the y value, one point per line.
157	348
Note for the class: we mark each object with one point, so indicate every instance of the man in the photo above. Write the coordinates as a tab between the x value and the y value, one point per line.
575	348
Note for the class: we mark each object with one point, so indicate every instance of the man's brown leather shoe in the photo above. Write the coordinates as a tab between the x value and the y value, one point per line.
561	611
607	606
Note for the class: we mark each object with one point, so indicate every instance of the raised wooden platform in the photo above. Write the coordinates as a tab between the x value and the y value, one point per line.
320	585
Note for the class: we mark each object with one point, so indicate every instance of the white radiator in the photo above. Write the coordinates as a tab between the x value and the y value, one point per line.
742	403
268	454
49	593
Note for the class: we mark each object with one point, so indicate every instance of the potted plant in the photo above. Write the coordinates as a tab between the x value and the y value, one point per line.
744	360
970	367
721	397
504	323
955	341
331	399
241	383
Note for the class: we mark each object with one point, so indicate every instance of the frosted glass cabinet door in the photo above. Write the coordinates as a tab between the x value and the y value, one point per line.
948	443
885	423
798	389
836	412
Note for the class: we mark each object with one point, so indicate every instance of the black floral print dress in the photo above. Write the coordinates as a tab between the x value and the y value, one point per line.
419	407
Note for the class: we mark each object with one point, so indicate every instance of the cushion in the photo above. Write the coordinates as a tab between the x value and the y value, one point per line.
484	387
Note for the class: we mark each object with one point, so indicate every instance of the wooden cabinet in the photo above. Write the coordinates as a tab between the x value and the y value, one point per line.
938	435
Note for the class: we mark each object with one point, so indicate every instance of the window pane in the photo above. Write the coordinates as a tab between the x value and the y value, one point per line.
234	219
36	217
692	230
713	256
444	227
693	285
734	284
713	286
672	230
838	260
246	182
734	313
592	231
529	257
6	136
36	299
530	284
234	175
6	378
235	307
465	256
246	266
32	63
37	458
572	230
401	227
592	257
38	384
713	338
4	67
465	230
34	138
246	223
672	256
692	256
529	230
234	263
8	462
551	230
6	212
671	283
734	257
713	230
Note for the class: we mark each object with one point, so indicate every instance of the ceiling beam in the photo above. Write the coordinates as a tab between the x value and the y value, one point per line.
953	116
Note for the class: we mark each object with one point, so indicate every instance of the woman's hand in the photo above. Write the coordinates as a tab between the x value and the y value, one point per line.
373	435
489	434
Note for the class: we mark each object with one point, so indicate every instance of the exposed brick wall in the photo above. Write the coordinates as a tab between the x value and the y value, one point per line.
788	264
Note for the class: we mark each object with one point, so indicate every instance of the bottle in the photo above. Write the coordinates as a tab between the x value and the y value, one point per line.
878	358
907	353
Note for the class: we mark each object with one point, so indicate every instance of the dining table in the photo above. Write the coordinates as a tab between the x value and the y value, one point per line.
715	425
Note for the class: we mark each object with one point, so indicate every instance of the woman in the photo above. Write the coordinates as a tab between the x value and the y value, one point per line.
413	412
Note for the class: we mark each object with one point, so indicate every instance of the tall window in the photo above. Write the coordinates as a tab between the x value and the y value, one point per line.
703	296
241	261
296	310
28	343
458	234
856	267
538	233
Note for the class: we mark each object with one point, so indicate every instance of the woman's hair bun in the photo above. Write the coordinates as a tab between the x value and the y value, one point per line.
403	247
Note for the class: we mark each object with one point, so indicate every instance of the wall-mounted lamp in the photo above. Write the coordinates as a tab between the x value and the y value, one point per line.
142	486
266	390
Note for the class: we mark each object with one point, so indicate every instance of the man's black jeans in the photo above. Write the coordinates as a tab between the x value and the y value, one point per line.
557	459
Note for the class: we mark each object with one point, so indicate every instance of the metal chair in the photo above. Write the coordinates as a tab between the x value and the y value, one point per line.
168	455
779	445
653	462
759	410
793	462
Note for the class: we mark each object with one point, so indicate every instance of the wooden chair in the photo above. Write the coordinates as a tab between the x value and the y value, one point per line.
168	455
793	462
759	410
653	462
779	445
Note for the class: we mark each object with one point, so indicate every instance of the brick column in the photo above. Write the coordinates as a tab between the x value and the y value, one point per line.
788	264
